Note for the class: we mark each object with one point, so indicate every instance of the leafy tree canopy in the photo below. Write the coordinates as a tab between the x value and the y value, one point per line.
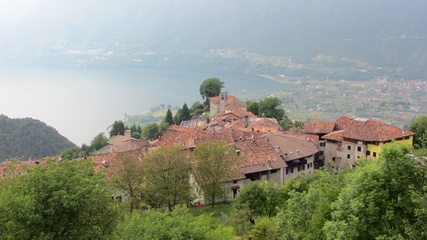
197	108
62	201
167	171
98	142
178	224
211	87
213	163
270	107
380	200
419	127
150	131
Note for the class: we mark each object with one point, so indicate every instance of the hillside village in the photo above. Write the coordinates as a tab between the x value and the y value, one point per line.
265	151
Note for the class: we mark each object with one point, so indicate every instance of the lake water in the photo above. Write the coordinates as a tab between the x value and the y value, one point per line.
80	103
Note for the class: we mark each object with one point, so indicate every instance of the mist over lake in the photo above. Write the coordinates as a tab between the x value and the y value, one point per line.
81	103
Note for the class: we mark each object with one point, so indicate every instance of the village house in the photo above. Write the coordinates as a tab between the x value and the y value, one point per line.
225	103
358	138
319	129
273	156
123	143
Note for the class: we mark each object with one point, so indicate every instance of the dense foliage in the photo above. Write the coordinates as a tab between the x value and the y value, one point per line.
62	201
179	224
419	127
213	165
381	199
29	138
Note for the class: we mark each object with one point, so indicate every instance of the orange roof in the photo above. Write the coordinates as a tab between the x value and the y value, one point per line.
342	122
335	136
257	155
314	139
374	131
317	127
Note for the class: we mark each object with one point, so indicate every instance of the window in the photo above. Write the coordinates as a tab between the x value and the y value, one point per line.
359	148
333	159
374	154
348	147
322	144
273	171
348	156
303	167
368	153
292	170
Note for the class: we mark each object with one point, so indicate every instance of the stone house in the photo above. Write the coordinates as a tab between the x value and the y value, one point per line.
361	138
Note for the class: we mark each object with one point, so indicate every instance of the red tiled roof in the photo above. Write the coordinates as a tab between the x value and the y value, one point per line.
342	122
317	127
233	101
335	136
314	139
374	131
257	155
264	124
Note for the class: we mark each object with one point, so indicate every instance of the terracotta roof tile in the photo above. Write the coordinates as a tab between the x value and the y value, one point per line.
317	127
342	122
314	139
374	131
335	136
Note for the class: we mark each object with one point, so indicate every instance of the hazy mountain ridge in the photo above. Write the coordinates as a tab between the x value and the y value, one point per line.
29	138
387	34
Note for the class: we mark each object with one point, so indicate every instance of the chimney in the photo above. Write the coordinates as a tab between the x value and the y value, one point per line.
128	133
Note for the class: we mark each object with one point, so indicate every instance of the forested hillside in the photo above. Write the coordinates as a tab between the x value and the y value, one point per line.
29	138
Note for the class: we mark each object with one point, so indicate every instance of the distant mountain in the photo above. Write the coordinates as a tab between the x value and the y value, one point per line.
29	138
384	37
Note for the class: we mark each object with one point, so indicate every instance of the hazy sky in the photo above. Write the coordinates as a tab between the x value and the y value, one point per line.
81	103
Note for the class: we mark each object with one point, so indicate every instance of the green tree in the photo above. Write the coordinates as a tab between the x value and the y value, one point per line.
186	115
169	117
150	131
178	118
252	107
311	208
127	175
178	224
213	166
286	123
210	87
261	198
98	142
378	201
419	127
163	127
72	153
265	228
270	107
197	108
167	170
118	128
239	219
65	200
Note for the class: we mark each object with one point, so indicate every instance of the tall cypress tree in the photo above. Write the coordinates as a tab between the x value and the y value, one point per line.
186	115
169	118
